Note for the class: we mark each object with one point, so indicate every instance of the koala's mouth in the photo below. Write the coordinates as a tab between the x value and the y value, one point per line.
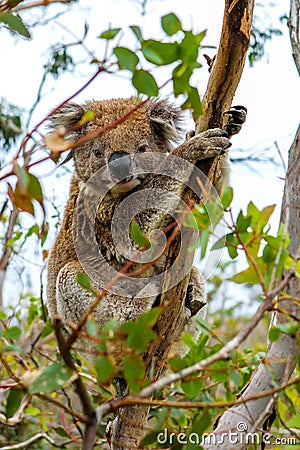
125	185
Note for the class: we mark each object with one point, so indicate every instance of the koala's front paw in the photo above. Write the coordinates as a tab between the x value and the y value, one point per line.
212	143
204	145
237	116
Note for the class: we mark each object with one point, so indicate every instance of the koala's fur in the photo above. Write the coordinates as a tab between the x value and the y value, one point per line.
154	127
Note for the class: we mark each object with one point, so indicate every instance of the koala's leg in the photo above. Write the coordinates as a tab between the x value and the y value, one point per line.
195	306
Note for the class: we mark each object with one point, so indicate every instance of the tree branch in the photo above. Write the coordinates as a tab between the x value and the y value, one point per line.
224	79
294	27
281	357
38	3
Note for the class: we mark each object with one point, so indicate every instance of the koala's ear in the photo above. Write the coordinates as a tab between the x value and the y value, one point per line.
67	116
166	121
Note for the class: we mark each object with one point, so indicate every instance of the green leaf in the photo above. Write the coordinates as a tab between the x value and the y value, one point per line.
235	377
187	339
294	422
144	83
181	78
137	32
219	244
35	189
231	244
139	238
150	438
289	328
248	275
189	47
269	254
13	348
13	402
87	117
134	372
160	53
92	328
23	178
227	197
32	411
201	422
139	335
192	388
274	334
193	102
267	212
27	189
242	223
203	325
288	264
13	333
84	281
110	34
203	242
53	377
177	363
127	59
105	368
15	23
171	24
150	317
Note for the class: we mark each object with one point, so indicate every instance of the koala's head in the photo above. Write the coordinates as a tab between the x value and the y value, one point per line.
153	127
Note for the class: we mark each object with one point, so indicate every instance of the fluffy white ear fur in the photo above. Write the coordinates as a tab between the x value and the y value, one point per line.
66	116
166	122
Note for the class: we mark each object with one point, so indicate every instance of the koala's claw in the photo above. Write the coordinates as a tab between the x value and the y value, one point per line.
237	116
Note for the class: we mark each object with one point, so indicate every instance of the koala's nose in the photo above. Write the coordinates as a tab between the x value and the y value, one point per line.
120	166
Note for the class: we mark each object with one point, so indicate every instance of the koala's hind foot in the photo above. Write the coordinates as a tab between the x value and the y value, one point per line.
236	118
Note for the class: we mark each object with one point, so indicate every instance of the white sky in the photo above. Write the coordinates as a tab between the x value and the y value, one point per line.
270	90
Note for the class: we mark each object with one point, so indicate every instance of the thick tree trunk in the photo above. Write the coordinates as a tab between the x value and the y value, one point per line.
281	357
129	426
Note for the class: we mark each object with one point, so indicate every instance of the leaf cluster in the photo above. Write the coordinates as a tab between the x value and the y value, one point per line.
181	52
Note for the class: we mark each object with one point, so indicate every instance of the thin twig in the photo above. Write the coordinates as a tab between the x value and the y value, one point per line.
37	3
83	395
34	438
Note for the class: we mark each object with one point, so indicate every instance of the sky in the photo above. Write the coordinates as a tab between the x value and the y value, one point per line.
270	90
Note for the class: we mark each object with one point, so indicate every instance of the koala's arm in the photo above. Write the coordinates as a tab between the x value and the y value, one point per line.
173	175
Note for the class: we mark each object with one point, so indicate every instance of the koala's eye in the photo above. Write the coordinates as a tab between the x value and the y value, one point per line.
143	148
97	152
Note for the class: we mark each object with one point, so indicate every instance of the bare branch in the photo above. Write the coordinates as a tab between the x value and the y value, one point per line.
34	438
294	26
38	3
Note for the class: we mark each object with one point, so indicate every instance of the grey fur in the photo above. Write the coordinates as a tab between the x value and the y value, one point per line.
155	127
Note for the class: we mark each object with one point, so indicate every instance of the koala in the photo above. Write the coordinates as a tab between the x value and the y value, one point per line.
153	128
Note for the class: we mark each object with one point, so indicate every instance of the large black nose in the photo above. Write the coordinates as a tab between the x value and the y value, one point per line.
120	166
